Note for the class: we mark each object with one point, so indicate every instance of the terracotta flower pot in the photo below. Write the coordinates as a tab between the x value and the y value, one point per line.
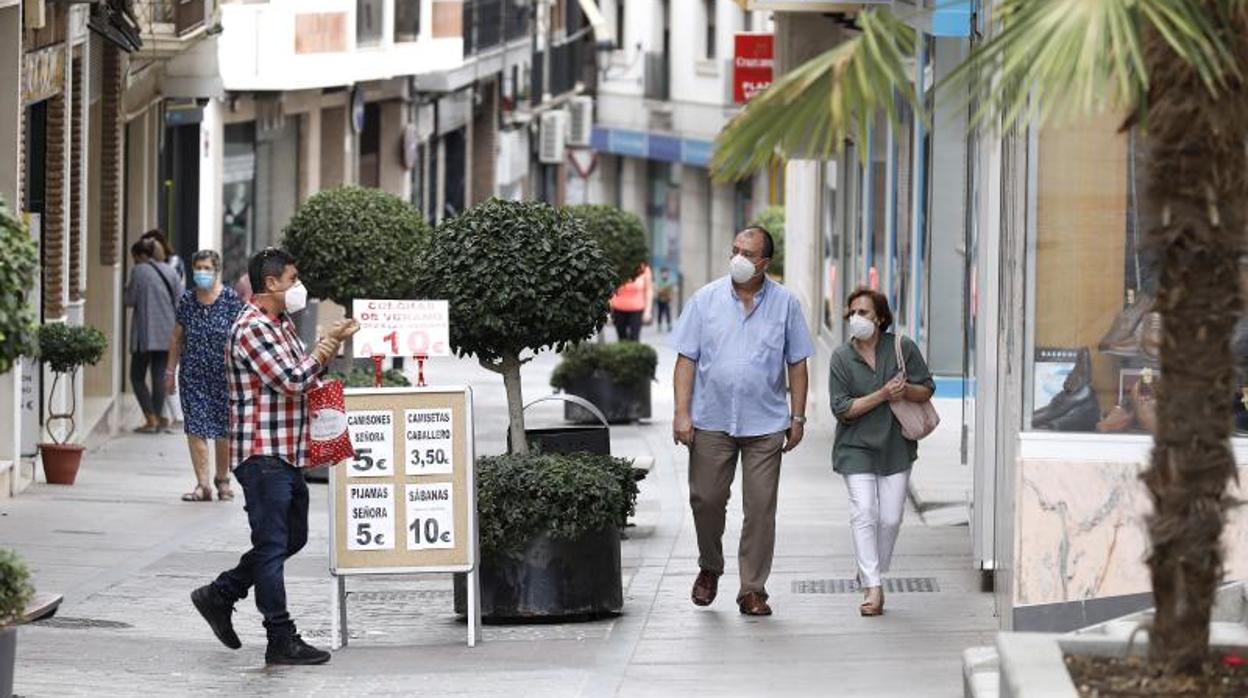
60	462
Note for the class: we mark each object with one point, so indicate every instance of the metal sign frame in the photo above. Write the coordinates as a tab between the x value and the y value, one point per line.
338	592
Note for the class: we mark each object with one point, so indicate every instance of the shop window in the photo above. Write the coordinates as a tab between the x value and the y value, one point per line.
406	20
1094	362
368	21
238	190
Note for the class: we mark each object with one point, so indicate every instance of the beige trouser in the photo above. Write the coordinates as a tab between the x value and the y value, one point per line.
712	467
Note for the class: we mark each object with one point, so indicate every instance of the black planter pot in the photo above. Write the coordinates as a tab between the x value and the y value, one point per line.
619	402
551	579
8	660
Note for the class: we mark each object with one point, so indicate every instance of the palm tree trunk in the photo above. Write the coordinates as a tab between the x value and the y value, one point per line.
1196	180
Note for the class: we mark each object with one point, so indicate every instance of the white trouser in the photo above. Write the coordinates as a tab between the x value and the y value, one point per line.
876	505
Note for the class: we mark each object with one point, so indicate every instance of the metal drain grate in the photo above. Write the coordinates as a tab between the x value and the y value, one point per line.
401	596
68	623
892	585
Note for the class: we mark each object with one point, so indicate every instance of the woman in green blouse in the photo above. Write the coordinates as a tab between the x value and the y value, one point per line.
870	451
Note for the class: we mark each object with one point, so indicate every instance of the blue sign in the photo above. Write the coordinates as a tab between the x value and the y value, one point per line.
652	146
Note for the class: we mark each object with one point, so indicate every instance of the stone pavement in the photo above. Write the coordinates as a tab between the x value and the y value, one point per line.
126	553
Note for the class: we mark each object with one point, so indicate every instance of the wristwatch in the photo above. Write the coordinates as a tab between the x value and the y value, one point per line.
799	418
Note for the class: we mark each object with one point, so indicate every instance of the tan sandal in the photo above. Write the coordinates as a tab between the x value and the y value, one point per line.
199	494
224	492
869	609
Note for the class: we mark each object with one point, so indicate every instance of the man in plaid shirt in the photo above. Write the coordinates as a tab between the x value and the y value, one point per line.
270	375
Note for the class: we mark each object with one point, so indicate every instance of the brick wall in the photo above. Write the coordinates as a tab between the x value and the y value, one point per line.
111	155
54	214
77	101
485	143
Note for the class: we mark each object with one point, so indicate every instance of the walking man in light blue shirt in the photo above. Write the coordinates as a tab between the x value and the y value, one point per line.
741	341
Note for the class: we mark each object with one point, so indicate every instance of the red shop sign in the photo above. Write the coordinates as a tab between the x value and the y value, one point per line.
752	62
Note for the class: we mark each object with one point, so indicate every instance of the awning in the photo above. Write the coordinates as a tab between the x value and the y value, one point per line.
596	20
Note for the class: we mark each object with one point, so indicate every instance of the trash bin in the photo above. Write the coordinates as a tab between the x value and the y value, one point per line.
570	439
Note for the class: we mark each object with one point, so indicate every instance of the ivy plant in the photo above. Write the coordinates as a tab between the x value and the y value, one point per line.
625	363
520	497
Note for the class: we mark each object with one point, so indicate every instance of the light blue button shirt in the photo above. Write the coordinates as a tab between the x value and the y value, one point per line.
740	384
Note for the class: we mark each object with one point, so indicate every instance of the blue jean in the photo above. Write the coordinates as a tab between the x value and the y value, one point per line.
277	509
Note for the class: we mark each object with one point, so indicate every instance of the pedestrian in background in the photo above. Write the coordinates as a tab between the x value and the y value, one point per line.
870	451
162	251
739	339
630	306
665	291
196	371
269	376
152	293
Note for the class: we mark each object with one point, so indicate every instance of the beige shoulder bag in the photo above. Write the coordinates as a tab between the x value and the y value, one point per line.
917	419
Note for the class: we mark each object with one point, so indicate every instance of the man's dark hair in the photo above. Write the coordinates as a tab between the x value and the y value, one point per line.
769	243
879	303
270	261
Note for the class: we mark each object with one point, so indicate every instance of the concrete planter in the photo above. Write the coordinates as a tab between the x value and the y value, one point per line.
1031	665
551	579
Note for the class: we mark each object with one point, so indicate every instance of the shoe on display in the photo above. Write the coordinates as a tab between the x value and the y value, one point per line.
1119	419
1062	403
1129	347
1125	324
1082	414
1081	374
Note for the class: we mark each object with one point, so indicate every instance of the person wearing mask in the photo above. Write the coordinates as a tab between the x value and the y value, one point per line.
870	452
630	306
665	291
152	293
197	372
740	390
269	375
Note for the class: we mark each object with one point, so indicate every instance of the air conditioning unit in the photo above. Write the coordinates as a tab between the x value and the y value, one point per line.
581	112
553	137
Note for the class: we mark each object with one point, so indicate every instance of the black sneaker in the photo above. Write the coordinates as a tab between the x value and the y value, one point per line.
293	650
217	611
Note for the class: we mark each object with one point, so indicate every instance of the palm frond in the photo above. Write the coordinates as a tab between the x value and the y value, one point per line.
814	108
1062	59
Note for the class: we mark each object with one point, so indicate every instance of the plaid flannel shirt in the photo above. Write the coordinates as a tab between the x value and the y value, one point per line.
270	374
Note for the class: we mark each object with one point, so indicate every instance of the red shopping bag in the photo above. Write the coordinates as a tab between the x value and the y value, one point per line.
331	442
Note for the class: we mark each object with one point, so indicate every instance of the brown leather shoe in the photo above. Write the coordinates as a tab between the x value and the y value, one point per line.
704	588
753	604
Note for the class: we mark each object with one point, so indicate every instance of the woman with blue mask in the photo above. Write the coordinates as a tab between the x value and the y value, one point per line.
197	372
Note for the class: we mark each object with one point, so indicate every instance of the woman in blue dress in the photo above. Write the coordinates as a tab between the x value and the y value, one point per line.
197	368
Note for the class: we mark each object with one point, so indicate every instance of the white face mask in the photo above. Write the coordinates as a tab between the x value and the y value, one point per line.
860	328
296	298
741	269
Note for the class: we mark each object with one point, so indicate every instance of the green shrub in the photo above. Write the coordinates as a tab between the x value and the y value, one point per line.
772	218
518	276
64	348
361	377
620	234
19	262
520	496
15	588
626	363
354	243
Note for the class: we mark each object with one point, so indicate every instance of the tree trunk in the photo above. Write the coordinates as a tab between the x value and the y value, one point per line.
515	404
1197	166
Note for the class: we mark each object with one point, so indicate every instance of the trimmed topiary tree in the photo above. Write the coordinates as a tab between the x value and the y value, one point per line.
518	276
620	234
19	262
354	243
